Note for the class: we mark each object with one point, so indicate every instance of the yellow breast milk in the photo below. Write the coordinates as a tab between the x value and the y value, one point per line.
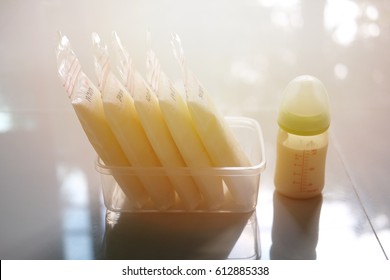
302	141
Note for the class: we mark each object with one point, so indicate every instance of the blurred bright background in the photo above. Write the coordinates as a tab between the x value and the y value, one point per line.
244	52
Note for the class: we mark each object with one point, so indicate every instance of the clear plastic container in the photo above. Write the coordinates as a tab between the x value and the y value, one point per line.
247	132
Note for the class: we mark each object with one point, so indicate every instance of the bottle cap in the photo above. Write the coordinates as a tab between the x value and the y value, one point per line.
305	107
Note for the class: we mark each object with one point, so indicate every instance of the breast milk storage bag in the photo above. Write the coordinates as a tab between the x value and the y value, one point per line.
216	135
87	103
182	128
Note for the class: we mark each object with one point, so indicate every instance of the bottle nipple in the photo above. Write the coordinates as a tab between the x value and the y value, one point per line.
305	107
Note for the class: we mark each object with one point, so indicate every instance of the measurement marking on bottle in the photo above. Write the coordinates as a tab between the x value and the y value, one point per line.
302	170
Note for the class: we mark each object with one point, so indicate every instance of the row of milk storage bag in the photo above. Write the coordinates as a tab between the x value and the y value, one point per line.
147	125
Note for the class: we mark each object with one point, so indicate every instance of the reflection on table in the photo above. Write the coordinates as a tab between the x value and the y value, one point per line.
181	236
295	228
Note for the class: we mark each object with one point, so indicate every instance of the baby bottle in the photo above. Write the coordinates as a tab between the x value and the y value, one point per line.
302	139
